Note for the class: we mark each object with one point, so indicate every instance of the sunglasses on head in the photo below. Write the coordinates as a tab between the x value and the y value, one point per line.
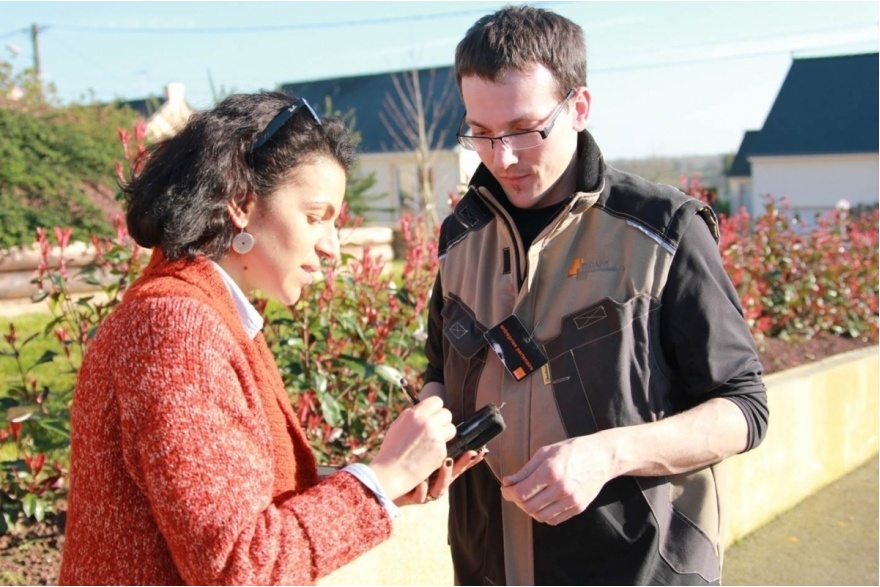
280	120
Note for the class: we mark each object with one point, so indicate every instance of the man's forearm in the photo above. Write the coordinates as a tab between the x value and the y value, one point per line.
701	436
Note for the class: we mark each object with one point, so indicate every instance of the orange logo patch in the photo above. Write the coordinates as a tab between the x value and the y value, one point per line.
575	267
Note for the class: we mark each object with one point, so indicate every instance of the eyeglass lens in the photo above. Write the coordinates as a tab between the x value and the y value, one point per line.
516	141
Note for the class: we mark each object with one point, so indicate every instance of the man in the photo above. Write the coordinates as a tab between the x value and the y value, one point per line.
593	306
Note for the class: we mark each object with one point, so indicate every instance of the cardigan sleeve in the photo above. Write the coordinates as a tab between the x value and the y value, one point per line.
195	442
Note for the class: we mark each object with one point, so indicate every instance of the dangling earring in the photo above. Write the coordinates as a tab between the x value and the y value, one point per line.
243	242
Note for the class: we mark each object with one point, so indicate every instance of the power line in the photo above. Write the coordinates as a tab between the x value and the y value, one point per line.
661	65
23	31
711	58
277	27
765	36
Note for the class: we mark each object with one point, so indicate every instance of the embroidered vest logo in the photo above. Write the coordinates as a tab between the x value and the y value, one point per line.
580	268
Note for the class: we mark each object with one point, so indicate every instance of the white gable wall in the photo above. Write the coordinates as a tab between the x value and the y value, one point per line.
815	183
396	177
740	189
171	116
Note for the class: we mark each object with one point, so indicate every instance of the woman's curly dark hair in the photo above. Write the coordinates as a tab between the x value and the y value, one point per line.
178	200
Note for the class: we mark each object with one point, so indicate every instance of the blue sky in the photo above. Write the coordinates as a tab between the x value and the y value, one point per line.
668	78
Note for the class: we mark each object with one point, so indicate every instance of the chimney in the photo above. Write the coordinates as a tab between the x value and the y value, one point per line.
174	93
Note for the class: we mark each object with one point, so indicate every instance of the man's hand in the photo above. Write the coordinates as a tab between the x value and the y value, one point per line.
561	479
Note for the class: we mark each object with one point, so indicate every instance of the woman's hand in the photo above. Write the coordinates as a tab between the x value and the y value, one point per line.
438	483
414	447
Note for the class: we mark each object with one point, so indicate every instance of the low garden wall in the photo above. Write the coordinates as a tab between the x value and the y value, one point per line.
17	266
823	424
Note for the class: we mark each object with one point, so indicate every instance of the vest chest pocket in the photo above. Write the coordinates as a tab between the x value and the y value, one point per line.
461	329
600	365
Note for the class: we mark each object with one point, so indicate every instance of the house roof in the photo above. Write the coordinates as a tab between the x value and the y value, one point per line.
741	166
145	107
826	106
368	97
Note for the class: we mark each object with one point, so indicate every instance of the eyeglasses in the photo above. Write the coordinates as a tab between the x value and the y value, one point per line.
280	120
516	141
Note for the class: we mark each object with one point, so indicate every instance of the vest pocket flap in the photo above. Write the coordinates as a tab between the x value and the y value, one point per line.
462	331
602	320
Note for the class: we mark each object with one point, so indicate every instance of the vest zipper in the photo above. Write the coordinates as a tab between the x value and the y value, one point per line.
500	212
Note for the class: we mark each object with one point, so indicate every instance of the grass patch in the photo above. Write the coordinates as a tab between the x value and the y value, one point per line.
56	374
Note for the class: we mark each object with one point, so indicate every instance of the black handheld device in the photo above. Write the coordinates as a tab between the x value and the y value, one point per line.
473	433
476	431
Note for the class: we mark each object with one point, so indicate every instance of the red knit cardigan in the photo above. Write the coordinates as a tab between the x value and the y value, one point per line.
187	462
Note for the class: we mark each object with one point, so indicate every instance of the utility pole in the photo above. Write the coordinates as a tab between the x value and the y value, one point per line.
35	39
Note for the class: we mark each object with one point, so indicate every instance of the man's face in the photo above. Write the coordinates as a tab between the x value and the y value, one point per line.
522	101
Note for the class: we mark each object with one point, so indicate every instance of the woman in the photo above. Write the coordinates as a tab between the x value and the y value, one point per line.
187	462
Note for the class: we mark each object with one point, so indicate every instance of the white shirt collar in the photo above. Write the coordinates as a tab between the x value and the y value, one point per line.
250	318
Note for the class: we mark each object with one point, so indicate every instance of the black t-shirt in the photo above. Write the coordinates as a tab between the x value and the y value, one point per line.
530	222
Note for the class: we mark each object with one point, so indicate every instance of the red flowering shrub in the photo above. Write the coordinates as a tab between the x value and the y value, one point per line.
796	281
32	438
35	422
345	345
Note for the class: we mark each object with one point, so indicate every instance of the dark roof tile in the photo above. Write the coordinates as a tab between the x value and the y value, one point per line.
367	95
827	105
741	166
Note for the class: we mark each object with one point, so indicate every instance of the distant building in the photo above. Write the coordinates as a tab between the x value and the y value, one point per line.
819	143
380	152
163	116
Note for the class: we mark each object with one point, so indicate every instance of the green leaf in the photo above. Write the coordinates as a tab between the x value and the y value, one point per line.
56	426
39	508
357	366
51	325
47	357
9	453
29	504
19	413
331	410
39	296
319	382
389	374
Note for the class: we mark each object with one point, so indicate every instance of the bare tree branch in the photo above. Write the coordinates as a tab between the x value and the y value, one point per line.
416	121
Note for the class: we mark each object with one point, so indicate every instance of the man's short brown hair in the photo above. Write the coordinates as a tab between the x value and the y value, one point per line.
518	37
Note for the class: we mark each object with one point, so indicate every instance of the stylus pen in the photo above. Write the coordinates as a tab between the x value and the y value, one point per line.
410	392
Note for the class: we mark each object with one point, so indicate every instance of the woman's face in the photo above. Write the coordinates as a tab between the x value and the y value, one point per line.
294	228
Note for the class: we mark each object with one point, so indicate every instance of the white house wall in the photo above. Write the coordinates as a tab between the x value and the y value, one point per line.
815	183
740	189
467	163
396	177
